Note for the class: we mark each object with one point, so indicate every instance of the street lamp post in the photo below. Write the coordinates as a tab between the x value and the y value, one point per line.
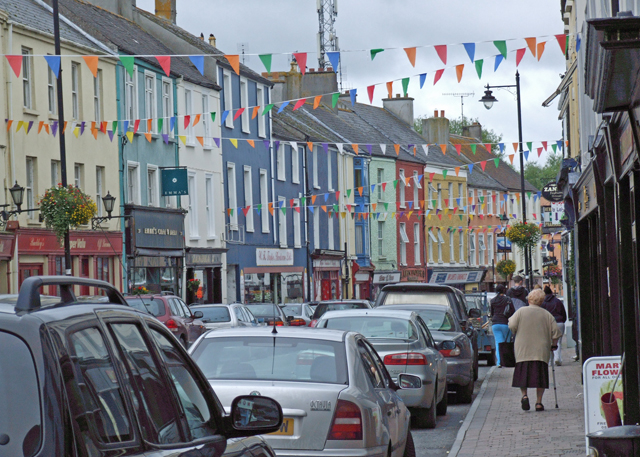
109	203
488	100
17	195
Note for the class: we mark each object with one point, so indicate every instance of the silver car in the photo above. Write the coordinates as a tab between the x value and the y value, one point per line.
223	316
298	311
405	344
336	394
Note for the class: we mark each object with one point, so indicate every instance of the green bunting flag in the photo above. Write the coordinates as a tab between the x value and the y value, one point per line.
160	122
213	116
303	200
348	193
267	108
284	210
335	207
114	126
529	195
334	99
128	62
374	52
405	85
502	47
395	184
473	148
266	61
555	148
386	206
444	173
530	145
496	161
460	216
479	63
259	206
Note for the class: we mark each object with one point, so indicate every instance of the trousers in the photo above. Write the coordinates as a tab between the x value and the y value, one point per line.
500	333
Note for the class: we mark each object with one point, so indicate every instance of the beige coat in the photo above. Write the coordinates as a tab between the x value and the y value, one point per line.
535	328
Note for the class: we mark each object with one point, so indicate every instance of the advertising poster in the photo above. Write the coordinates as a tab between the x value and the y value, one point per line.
599	374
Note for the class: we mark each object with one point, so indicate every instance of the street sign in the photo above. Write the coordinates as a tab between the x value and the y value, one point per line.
174	181
551	193
548	261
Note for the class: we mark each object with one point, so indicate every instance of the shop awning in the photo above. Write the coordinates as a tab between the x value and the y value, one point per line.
457	277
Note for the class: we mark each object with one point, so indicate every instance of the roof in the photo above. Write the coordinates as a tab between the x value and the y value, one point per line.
127	37
38	16
204	46
477	178
283	332
504	174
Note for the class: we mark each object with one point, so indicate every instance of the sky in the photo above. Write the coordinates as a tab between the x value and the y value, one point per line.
281	27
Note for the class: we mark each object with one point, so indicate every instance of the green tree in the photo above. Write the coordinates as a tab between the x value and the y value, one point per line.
540	175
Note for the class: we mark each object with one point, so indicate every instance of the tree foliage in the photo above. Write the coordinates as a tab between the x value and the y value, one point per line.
539	175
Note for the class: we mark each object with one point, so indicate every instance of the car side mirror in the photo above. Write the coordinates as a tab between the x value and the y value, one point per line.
475	313
198	314
253	415
409	381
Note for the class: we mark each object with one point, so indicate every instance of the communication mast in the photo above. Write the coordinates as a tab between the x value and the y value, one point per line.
327	39
462	95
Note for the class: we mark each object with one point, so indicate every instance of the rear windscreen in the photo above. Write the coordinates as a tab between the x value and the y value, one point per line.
398	297
264	311
153	306
214	314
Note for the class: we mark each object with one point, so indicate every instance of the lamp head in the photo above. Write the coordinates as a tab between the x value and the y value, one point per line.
108	201
488	99
17	194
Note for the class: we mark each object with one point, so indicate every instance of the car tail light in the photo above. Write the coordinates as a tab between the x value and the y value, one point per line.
450	349
279	323
298	323
171	324
487	348
347	422
313	323
405	358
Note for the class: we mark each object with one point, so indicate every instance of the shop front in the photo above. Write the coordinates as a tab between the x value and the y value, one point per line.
413	274
382	278
274	279
465	280
204	265
362	281
7	244
94	255
327	281
155	248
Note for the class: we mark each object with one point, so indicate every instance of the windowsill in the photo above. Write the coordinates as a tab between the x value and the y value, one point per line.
295	182
228	126
194	237
33	222
315	186
247	131
30	112
207	148
262	135
403	207
190	144
249	230
266	231
281	179
212	237
53	117
297	246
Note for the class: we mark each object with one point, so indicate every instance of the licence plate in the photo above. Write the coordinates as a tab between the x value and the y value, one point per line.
286	428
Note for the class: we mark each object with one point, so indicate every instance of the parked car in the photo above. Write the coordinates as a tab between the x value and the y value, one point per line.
486	340
224	316
337	305
405	345
268	313
298	311
337	395
82	378
453	344
434	294
172	312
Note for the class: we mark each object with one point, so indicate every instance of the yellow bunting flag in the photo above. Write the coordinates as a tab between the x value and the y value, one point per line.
200	140
130	137
20	124
183	138
234	142
409	214
148	137
252	143
76	131
92	63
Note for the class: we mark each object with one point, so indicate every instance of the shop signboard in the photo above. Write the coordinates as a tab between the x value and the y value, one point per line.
273	257
386	278
551	193
174	181
456	277
503	243
325	263
599	375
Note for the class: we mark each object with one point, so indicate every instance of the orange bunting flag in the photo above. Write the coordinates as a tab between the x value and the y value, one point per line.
200	140
271	208
444	148
390	89
540	49
149	125
165	63
310	146
397	148
459	70
256	109
459	148
457	171
252	143
411	54
197	119
40	125
566	143
374	206
148	137
299	104
515	147
360	189
10	122
442	52
313	199
511	158
234	61
103	127
94	132
355	148
237	115
324	208
46	128
316	101
531	42
92	63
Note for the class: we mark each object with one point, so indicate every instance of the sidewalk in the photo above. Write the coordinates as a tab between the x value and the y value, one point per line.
497	426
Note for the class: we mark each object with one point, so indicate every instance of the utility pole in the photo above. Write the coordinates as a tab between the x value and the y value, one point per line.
63	151
462	96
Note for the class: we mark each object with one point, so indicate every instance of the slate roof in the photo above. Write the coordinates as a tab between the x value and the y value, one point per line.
504	174
128	38
38	16
477	178
204	46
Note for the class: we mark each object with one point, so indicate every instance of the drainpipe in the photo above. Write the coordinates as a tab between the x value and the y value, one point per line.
273	183
307	194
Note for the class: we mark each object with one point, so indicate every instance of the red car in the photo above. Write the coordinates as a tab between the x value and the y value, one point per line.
172	312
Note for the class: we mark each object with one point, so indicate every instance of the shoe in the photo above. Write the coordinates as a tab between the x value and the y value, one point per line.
499	366
558	363
525	403
539	407
576	358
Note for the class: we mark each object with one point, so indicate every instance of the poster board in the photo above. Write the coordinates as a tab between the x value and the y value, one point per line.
599	374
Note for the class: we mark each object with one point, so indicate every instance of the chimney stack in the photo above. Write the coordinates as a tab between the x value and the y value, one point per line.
212	40
166	9
402	107
473	131
436	129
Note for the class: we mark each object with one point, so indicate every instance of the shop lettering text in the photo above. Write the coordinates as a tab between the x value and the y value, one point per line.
605	369
274	257
159	231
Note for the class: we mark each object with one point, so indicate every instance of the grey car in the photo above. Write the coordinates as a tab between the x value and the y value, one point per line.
298	311
404	343
338	398
453	344
224	316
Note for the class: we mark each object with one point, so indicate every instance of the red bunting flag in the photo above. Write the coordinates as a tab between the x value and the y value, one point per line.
390	89
431	175
165	63
540	49
459	70
442	52
187	120
16	64
544	145
459	148
487	146
411	54
245	210
531	42
301	59
370	90
92	63
299	103
234	61
539	152
384	186
519	55
437	76
237	115
483	164
562	42
136	126
103	127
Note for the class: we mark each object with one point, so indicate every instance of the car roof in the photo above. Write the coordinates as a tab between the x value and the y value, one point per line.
283	332
378	312
418	286
350	300
213	305
397	308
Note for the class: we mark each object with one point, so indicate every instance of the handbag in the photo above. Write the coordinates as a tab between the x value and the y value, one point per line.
507	352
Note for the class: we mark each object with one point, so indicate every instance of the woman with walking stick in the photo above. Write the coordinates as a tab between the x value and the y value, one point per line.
536	334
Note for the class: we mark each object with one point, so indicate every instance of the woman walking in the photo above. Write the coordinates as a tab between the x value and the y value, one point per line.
556	308
536	334
501	309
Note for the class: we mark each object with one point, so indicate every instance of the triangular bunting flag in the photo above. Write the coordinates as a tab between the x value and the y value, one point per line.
266	61
423	78
483	164
92	63
497	162
147	135
411	54
128	63
165	63
299	104
334	58
352	94
301	59
519	55
444	148
234	142
437	76
479	63
473	148
198	62
370	90
16	64
457	171
515	147
562	42
334	99
234	61
316	101
502	47
282	107
375	52
499	59
405	86
200	140
252	143
459	70
254	113
540	49
266	109
531	43
511	158
442	52
471	50
54	64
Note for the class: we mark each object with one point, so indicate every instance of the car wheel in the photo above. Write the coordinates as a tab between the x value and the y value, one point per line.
464	394
491	359
426	417
475	368
409	448
441	407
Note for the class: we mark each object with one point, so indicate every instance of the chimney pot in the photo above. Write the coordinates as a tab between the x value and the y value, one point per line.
212	39
312	70
397	95
435	113
441	113
329	68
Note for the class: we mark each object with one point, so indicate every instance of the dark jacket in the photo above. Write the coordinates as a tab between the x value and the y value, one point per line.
518	292
501	309
555	307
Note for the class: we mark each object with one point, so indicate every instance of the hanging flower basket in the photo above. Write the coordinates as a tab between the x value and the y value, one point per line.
64	208
193	285
505	268
524	235
554	273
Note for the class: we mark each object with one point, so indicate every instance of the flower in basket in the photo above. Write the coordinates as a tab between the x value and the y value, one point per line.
193	285
63	208
554	273
506	267
524	235
140	291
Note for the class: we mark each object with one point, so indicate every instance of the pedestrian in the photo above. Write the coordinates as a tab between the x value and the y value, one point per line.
500	310
556	308
518	293
537	286
536	334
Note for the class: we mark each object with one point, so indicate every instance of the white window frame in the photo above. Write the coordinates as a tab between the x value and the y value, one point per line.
431	191
297	238
439	191
491	248
473	202
30	187
295	164
472	249
192	180
451	195
99	189
27	79
131	96
262	123
489	200
233	194
209	201
381	239
461	248
416	190
452	253
329	173
282	223
461	193
314	158
316	229
404	240
133	189
228	97
264	200
401	189
281	163
153	185
440	243
97	97
416	244
188	110
247	176
479	193
78	175
206	122
52	92
244	103
167	106
482	249
75	91
432	239
380	181
55	174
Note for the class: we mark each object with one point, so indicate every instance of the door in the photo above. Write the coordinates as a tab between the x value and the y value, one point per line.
326	289
29	269
84	273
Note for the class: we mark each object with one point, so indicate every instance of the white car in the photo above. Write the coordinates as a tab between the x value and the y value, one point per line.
336	394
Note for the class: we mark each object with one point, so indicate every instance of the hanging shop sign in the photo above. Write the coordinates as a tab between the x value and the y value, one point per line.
156	229
551	193
174	181
271	257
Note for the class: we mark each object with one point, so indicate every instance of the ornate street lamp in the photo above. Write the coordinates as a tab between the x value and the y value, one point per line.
108	202
17	195
488	99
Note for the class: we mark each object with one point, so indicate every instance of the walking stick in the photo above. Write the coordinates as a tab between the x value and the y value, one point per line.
553	369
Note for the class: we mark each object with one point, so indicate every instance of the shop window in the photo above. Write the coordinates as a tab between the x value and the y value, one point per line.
103	271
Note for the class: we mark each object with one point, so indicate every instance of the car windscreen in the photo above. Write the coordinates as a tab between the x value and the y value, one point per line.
19	398
264	311
153	306
292	310
273	359
375	327
212	314
437	320
398	297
